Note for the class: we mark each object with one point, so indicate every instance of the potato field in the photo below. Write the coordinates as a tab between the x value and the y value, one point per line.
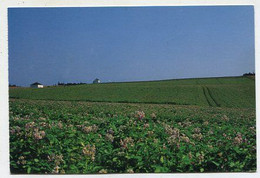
192	125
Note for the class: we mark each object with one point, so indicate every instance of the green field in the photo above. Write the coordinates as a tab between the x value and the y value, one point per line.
189	125
223	92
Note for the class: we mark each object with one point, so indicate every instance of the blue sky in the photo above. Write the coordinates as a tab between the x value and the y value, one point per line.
129	43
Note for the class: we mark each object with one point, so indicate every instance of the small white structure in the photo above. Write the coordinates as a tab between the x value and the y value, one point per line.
36	85
96	80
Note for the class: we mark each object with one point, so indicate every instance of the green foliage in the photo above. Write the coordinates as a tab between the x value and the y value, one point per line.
82	137
236	92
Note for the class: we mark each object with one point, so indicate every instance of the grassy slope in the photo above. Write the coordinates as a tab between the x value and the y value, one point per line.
224	92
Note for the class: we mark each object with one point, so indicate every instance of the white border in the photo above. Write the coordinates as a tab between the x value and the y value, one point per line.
4	115
91	3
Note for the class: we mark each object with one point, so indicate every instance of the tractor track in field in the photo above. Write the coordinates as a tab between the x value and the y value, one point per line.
210	94
204	92
210	99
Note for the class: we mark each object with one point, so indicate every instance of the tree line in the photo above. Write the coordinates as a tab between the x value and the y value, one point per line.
249	74
67	84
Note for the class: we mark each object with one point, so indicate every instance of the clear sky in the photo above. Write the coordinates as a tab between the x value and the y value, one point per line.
129	44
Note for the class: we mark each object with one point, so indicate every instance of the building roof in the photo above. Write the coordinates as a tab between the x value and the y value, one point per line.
36	83
96	80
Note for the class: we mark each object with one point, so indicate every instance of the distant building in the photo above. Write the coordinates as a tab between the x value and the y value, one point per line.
96	80
36	85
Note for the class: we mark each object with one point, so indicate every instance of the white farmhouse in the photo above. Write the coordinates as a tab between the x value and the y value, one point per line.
96	80
36	85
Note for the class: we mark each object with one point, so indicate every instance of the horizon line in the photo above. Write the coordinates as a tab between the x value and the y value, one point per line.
137	81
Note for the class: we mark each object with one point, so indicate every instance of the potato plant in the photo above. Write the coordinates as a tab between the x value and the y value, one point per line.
71	137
